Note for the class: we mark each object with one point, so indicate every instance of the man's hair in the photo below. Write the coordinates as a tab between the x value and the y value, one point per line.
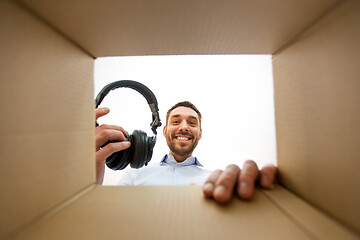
183	104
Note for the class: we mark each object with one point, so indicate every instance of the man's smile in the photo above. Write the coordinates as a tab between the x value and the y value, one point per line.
184	138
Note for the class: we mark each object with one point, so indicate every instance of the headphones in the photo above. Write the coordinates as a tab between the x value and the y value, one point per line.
141	150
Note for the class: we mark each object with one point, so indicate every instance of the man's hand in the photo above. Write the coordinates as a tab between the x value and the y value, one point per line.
221	184
104	133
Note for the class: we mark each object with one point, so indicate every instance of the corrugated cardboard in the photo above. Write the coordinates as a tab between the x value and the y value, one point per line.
127	27
47	130
183	212
317	111
316	223
166	213
47	118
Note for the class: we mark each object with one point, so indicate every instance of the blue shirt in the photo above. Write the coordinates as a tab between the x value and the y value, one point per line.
167	172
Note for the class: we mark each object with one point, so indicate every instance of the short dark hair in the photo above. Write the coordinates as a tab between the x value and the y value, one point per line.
183	104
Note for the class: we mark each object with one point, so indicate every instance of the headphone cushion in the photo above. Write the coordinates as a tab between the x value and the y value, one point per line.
151	145
138	155
120	160
140	146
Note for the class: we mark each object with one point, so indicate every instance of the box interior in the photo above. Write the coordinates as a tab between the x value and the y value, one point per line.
47	135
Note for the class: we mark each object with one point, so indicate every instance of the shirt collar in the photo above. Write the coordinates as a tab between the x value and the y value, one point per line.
170	160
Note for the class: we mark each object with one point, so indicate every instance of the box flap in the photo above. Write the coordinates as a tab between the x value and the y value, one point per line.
166	213
47	123
117	28
317	115
316	223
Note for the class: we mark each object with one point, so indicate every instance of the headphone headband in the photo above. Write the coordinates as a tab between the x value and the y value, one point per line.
142	89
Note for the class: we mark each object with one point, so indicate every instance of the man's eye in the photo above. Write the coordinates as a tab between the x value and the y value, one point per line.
175	122
192	123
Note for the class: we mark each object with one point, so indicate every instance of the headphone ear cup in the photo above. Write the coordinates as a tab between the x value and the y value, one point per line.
140	153
120	160
151	145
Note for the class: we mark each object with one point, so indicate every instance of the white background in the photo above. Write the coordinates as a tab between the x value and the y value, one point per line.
234	94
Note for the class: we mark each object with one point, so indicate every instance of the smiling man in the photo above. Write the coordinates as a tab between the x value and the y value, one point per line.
182	132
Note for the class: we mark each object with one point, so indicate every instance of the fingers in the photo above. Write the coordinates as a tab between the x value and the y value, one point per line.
220	185
247	178
104	133
267	176
209	185
105	152
99	112
110	148
225	184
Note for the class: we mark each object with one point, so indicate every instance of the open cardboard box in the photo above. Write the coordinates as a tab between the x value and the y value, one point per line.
47	125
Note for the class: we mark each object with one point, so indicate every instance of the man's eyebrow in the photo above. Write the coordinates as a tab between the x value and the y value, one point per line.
175	116
178	115
193	117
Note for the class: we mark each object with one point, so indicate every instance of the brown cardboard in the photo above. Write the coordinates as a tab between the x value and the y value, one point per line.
317	105
47	142
127	27
316	223
183	212
166	213
47	118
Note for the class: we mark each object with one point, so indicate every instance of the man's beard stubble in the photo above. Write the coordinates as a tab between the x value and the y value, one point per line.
181	151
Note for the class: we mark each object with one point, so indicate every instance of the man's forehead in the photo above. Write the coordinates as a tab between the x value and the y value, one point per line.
184	112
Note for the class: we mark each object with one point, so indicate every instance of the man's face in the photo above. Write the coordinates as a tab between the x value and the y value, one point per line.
182	132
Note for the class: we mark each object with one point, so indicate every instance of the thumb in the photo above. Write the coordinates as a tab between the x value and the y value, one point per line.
99	112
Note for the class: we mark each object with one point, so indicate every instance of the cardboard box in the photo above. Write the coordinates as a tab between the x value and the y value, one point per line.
47	131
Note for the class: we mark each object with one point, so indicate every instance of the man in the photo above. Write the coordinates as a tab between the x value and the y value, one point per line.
182	132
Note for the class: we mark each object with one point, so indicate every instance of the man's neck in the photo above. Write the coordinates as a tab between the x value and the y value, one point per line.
180	159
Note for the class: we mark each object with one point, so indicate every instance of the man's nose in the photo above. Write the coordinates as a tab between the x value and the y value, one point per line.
184	126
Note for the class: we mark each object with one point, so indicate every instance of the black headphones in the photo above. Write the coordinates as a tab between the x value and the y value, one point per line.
141	150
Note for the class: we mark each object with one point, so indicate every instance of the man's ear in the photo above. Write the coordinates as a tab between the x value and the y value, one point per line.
164	131
200	133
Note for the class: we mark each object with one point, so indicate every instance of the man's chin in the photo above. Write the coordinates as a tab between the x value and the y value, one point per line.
181	149
181	152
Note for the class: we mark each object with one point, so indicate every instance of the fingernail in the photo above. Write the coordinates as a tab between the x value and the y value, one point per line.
265	180
220	191
208	187
244	187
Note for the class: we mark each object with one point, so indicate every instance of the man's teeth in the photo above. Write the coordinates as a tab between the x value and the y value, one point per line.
183	138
